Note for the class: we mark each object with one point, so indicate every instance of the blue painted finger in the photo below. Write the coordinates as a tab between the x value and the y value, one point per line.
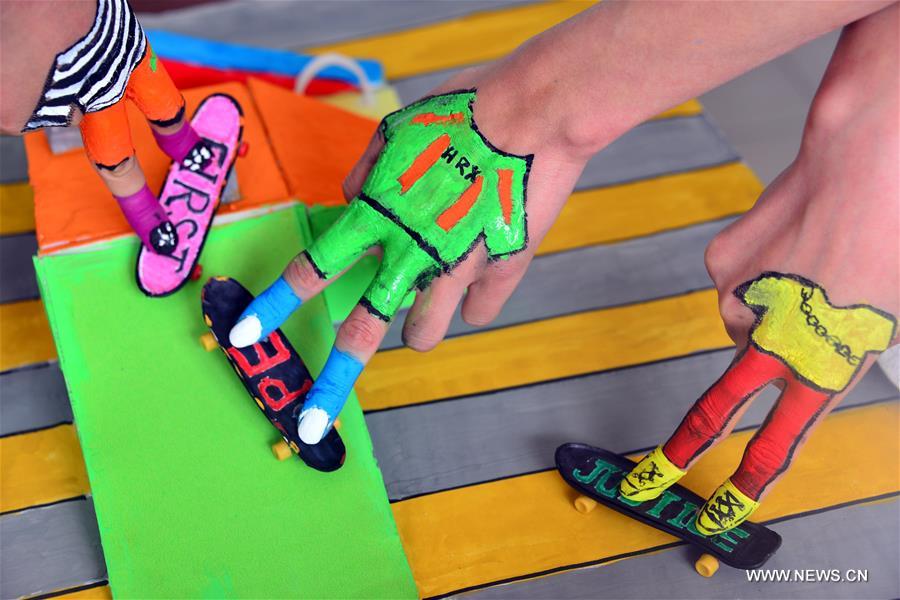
265	314
328	395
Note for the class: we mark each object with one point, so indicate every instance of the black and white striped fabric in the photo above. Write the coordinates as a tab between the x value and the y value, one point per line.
93	73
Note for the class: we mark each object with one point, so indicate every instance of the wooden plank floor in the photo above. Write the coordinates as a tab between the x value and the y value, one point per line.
466	459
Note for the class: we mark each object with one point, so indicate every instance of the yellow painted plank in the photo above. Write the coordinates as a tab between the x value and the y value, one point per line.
97	593
612	214
548	349
527	524
466	40
16	208
687	109
24	334
40	467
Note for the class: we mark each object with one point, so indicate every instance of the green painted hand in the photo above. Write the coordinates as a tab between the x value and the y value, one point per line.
436	198
437	188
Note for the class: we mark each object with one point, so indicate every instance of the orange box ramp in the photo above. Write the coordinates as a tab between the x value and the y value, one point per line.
316	143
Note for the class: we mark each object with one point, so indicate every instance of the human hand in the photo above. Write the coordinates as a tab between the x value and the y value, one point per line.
444	201
31	35
828	225
67	63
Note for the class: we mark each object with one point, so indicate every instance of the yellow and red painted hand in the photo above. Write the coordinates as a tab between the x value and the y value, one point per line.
800	338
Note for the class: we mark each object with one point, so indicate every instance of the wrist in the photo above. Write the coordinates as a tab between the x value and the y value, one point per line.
529	103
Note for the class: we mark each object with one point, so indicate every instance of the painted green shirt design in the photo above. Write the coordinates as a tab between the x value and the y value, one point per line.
440	179
437	188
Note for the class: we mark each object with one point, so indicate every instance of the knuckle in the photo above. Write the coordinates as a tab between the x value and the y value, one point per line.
122	169
421	335
349	186
730	308
301	274
735	316
508	270
478	318
361	332
704	423
479	311
716	255
421	340
502	273
831	109
764	450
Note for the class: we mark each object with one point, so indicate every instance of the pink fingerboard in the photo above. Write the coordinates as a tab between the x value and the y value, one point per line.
191	198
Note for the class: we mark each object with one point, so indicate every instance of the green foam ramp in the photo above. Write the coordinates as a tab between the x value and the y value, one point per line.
189	499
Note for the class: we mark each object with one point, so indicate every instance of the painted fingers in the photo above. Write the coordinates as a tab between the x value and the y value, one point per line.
812	348
272	307
357	341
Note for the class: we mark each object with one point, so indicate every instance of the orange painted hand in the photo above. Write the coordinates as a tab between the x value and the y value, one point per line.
68	63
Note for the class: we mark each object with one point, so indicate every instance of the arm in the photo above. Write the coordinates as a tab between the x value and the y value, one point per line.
590	79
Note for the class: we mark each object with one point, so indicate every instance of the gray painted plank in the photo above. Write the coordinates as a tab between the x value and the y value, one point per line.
413	88
654	266
33	398
656	148
297	25
442	445
13	162
50	548
64	139
863	536
17	278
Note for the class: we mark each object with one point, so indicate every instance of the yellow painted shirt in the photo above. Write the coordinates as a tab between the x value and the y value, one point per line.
822	343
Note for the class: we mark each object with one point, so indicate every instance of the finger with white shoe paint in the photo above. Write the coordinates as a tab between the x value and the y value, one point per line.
301	279
357	340
265	314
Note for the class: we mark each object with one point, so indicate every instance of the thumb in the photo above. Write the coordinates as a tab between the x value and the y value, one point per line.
354	181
